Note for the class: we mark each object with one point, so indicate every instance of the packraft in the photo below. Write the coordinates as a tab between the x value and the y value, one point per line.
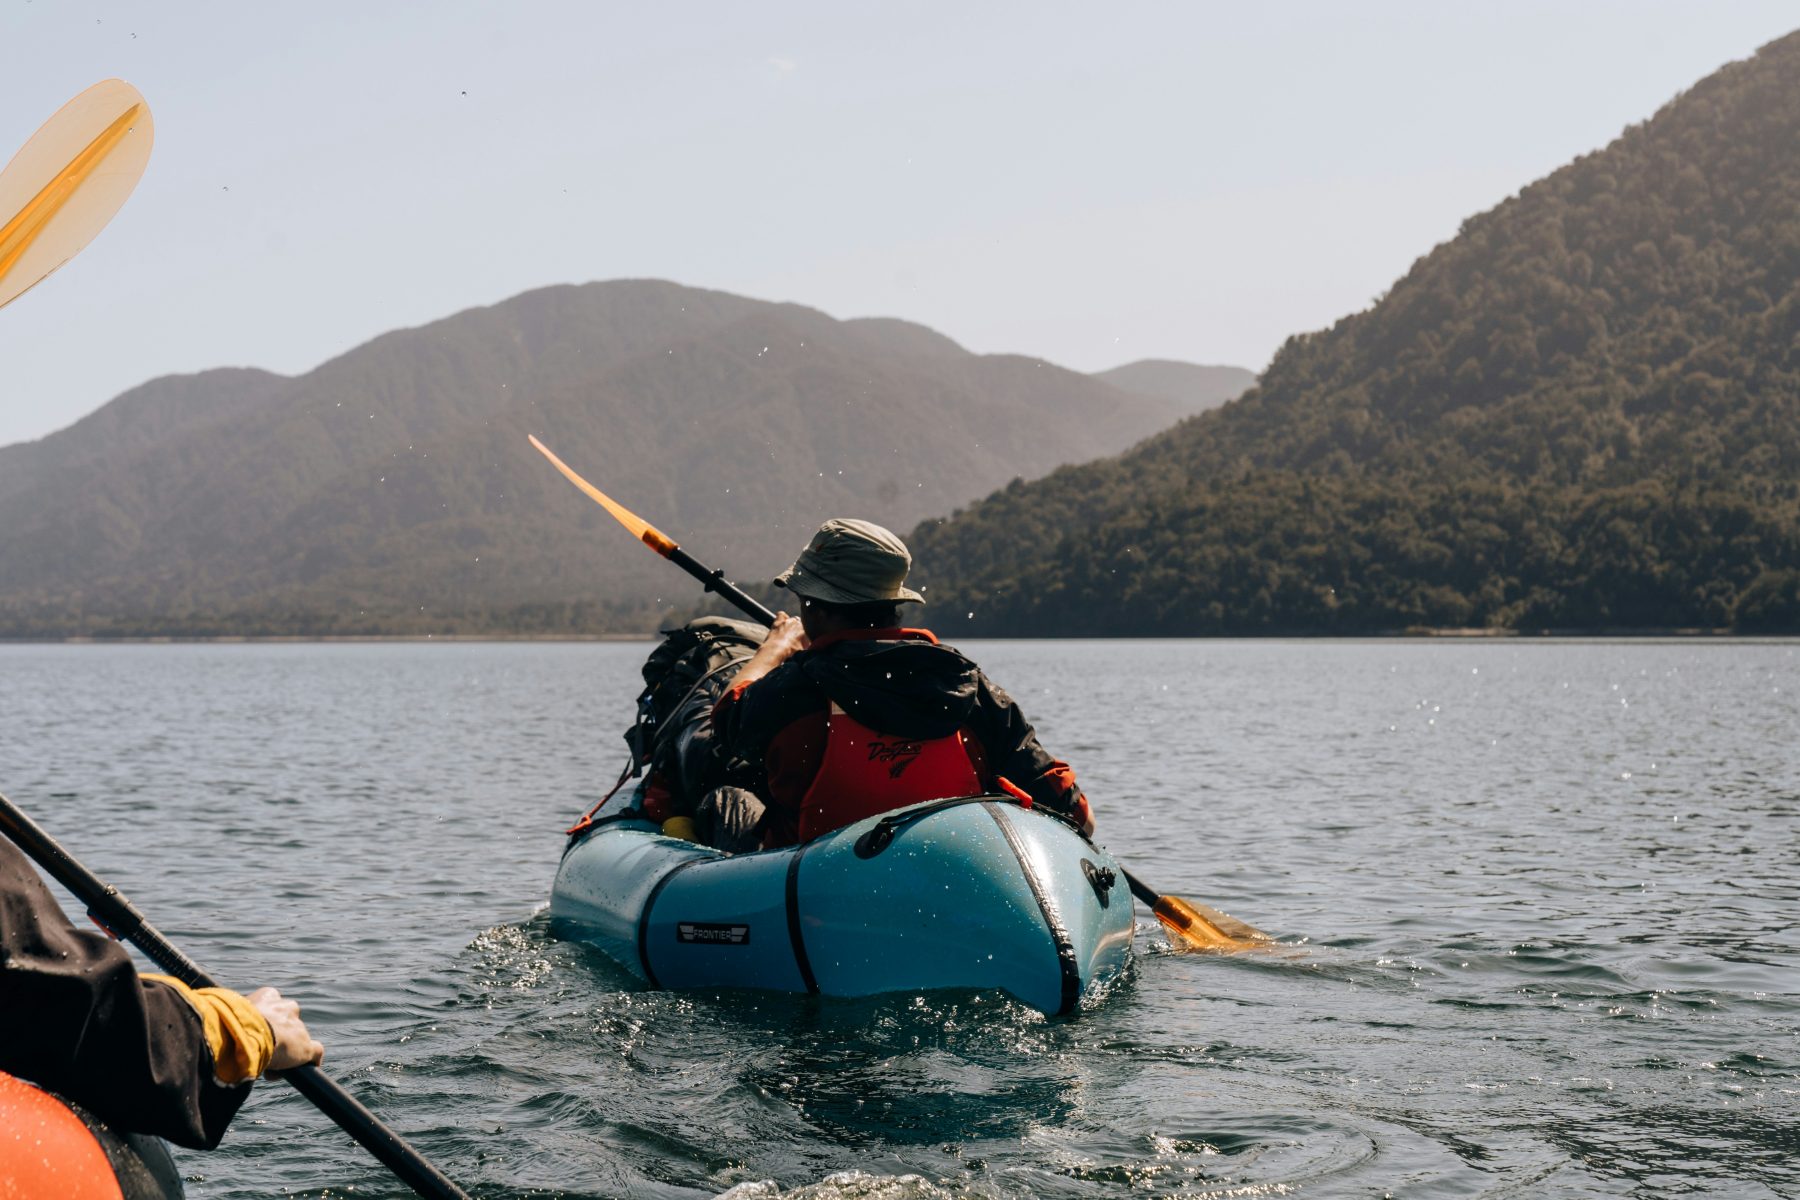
973	893
51	1149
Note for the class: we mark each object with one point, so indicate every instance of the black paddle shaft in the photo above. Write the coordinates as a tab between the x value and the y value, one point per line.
107	905
715	581
1140	889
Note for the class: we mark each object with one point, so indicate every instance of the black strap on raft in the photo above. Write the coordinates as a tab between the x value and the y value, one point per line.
797	927
1067	966
882	833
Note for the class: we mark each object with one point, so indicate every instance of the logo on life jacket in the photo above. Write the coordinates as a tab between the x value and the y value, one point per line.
897	756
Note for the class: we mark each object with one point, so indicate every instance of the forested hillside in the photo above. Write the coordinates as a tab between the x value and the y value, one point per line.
392	490
1581	413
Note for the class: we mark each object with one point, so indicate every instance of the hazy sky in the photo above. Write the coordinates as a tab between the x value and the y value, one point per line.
1093	183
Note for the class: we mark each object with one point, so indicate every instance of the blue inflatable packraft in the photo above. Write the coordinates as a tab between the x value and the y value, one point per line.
974	893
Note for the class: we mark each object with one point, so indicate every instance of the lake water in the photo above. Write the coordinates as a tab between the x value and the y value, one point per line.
1541	900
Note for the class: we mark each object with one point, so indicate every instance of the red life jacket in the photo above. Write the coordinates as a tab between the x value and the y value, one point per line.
865	773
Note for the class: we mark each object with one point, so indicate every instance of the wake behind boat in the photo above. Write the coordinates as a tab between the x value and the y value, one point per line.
971	893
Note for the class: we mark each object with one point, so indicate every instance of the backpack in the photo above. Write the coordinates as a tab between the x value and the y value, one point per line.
683	678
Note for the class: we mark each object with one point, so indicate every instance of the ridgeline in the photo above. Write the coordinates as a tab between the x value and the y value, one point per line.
1582	413
392	491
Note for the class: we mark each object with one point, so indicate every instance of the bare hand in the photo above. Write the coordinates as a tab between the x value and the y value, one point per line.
294	1046
787	637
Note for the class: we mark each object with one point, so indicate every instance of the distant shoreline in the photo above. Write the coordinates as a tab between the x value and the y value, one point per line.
260	639
1449	635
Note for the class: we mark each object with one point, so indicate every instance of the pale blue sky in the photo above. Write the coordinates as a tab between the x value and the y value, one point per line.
1089	183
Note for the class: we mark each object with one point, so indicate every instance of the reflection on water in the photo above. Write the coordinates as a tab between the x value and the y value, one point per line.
1543	896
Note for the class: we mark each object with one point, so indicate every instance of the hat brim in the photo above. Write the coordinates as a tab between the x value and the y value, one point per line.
813	588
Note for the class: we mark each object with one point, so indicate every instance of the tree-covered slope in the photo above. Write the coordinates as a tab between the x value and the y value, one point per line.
392	489
1582	412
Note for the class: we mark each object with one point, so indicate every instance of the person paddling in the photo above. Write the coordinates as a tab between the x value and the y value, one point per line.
144	1052
845	713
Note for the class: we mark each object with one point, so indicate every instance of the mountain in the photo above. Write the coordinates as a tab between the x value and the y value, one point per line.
1583	412
392	489
1194	387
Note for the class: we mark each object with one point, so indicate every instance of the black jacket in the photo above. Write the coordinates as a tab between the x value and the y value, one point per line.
899	681
76	1019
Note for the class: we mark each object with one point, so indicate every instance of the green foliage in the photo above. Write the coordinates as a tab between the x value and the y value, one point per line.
1771	603
1582	413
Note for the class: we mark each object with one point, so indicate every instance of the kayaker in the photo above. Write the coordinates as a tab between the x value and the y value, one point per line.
848	713
143	1052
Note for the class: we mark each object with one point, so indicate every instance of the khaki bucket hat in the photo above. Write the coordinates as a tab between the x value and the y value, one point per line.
851	562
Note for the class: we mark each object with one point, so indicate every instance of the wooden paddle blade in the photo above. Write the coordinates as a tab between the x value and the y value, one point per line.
641	529
1192	929
66	183
1227	924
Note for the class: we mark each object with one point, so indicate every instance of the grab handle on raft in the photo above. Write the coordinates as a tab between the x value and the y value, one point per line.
879	836
107	905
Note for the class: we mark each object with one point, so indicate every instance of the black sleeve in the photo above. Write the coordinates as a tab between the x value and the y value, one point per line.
1013	752
748	718
76	1019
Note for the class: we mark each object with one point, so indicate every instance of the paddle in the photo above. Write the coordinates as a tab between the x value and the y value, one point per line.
107	905
1193	927
68	180
1197	926
662	543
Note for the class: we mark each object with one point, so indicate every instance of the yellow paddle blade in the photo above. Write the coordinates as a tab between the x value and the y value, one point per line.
641	529
66	183
1191	929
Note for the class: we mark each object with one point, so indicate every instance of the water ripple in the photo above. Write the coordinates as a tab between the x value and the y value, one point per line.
1537	942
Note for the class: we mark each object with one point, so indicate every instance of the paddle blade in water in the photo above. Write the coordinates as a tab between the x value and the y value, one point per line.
641	529
66	183
1190	928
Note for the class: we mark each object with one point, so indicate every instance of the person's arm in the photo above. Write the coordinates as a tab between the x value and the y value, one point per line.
787	637
248	1035
736	731
777	732
1014	754
77	1018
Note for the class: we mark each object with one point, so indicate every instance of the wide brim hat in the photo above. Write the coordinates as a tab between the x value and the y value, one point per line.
852	562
